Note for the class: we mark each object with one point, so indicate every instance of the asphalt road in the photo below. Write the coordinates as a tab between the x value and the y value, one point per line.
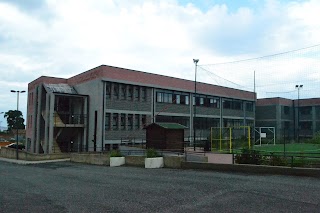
70	187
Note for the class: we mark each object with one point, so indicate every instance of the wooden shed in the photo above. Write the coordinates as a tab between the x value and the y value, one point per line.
165	136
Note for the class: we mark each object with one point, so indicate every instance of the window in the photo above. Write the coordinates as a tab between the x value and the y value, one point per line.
237	105
123	92
115	121
201	100
249	106
123	121
227	104
108	90
286	110
159	97
107	121
214	102
143	93
305	110
136	93
136	122
144	120
130	92
177	99
130	122
116	91
167	98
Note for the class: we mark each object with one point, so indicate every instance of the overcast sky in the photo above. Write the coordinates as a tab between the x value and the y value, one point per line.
62	38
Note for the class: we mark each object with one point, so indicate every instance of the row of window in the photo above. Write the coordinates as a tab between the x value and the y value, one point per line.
201	100
125	92
117	121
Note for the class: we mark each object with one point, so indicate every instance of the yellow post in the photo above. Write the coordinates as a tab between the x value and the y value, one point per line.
230	136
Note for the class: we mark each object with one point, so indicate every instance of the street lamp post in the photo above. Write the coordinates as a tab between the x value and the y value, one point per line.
298	87
18	92
195	61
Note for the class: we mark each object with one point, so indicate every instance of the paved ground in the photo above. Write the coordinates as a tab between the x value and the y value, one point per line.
70	187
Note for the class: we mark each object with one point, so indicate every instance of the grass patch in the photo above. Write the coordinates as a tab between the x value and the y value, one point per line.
290	148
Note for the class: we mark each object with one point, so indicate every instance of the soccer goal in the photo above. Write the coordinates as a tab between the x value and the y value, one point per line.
265	136
229	138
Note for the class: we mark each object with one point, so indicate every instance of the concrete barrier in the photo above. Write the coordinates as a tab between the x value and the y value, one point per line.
253	169
132	160
173	162
91	158
23	155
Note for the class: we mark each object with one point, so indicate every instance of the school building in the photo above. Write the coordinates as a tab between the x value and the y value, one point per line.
106	105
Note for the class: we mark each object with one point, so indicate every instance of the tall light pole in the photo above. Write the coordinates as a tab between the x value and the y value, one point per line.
298	87
195	61
18	92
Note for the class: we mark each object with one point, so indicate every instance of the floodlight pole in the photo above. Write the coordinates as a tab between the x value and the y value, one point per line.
298	87
195	61
17	129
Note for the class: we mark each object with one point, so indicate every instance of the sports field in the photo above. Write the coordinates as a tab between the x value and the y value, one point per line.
290	148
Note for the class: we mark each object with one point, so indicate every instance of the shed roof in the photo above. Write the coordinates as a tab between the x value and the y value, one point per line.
169	125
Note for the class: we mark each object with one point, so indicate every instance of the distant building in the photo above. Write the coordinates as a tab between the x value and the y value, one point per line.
100	107
289	120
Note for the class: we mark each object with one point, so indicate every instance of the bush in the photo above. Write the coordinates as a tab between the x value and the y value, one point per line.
278	161
152	153
248	156
315	139
115	153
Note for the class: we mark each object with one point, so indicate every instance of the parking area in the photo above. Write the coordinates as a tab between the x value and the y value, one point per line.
71	187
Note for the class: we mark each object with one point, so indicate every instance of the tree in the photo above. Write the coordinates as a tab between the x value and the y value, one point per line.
15	120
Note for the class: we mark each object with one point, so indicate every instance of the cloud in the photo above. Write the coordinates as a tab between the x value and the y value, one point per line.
64	38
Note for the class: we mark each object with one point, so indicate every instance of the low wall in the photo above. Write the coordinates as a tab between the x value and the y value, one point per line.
132	160
23	155
253	169
91	158
173	161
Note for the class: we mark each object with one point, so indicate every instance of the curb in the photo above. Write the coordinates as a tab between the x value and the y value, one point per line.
24	162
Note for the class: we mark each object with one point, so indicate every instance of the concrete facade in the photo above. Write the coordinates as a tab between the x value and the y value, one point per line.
292	120
101	107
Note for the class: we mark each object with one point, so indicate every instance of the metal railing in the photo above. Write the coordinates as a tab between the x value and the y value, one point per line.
67	118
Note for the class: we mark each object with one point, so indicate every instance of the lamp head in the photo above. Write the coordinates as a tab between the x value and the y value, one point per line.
12	91
195	61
